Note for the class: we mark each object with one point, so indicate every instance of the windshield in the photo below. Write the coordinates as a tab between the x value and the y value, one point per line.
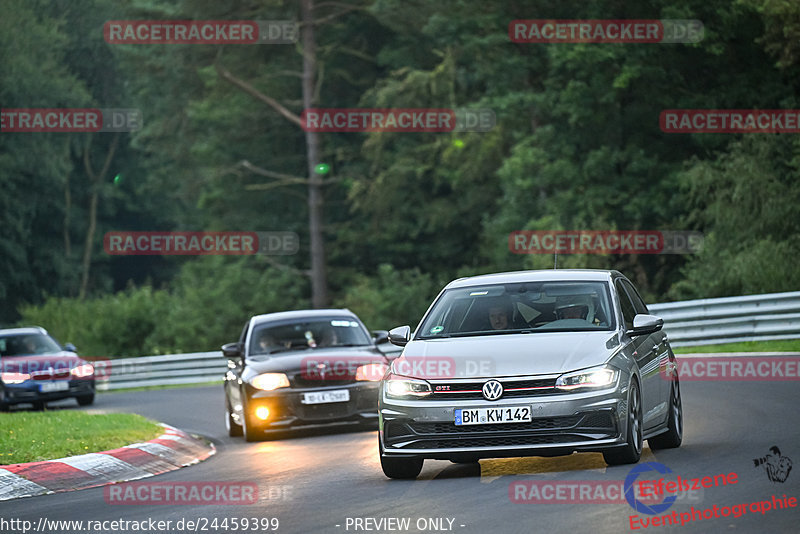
519	307
28	345
308	334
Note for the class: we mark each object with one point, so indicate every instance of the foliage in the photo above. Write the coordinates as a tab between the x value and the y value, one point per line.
201	311
391	297
576	146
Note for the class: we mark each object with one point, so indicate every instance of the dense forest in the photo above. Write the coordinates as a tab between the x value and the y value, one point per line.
384	218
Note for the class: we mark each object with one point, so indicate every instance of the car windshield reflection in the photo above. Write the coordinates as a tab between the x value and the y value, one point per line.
28	345
330	332
520	308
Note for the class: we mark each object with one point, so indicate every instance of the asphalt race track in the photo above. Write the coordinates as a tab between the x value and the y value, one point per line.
324	481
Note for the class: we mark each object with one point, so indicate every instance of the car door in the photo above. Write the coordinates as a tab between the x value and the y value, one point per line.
658	341
645	357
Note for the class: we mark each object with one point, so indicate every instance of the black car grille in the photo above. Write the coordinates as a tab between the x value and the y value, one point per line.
540	431
536	424
500	441
308	382
511	388
325	411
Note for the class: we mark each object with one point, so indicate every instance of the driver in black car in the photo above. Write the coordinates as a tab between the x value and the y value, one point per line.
266	342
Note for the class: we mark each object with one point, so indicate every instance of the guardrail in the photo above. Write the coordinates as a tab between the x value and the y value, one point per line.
170	369
166	370
687	323
731	319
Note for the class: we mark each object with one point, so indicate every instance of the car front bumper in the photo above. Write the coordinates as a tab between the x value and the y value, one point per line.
29	391
287	409
561	424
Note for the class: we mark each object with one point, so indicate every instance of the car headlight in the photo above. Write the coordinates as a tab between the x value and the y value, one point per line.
596	377
371	372
270	381
400	387
82	371
14	378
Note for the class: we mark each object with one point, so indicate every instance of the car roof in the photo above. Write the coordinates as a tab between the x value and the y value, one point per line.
22	331
302	314
550	275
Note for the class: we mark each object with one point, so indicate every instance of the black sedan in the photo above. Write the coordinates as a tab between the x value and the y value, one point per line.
36	369
301	368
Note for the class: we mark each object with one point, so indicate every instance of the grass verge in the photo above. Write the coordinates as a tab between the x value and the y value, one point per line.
775	345
35	436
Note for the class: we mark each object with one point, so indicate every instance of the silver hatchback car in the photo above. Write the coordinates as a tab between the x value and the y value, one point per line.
530	363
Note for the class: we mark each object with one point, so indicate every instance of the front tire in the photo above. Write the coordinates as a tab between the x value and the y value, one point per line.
632	451
234	429
399	468
673	437
85	400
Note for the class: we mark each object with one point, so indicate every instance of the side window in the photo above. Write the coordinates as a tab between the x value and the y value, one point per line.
638	303
628	311
244	333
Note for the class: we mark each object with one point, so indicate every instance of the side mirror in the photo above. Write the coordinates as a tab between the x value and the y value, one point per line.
400	335
645	324
380	336
70	347
232	350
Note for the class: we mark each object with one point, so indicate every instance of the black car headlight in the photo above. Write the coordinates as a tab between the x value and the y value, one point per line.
371	372
270	381
592	378
401	387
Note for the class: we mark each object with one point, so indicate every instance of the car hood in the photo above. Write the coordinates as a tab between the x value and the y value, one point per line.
59	361
506	354
292	362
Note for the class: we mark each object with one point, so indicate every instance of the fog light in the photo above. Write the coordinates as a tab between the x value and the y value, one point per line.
262	413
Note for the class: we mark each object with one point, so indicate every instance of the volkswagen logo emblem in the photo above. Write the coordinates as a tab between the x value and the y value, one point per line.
492	390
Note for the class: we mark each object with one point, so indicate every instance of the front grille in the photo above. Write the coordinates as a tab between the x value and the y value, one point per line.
324	411
537	424
598	420
300	381
498	441
540	431
511	388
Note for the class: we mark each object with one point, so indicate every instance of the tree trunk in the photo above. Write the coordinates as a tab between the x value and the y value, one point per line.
96	181
319	283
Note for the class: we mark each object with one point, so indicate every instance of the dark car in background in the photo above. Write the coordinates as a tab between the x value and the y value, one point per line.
539	363
300	368
36	369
